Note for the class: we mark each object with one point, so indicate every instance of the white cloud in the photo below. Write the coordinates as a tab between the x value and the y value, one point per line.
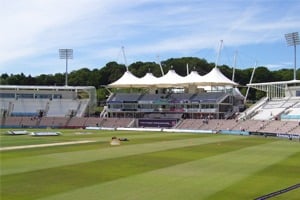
287	65
33	30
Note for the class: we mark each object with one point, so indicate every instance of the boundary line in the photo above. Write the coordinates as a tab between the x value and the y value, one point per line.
267	196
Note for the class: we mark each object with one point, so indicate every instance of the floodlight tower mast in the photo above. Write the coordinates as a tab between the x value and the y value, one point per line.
234	66
125	60
251	78
160	66
66	54
292	39
219	53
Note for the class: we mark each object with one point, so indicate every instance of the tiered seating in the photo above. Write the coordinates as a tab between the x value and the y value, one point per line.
209	125
77	122
12	121
164	115
82	107
29	121
151	97
295	129
125	97
4	103
28	107
186	124
180	97
59	121
250	125
252	109
276	127
46	122
274	108
261	126
194	124
273	104
293	113
93	121
32	107
208	97
267	113
115	122
53	121
227	124
62	107
289	126
217	124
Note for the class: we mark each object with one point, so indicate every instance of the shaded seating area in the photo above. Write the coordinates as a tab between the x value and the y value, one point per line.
125	97
150	98
208	97
180	97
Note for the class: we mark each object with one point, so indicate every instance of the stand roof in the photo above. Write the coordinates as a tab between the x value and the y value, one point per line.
172	79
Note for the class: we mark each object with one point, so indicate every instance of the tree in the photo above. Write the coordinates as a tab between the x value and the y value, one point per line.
80	77
262	74
283	75
140	69
111	72
3	79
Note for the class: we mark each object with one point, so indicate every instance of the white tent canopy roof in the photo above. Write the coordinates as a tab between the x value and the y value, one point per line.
172	79
146	80
193	78
126	81
216	78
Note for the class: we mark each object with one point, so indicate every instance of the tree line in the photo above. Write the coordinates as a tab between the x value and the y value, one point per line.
112	71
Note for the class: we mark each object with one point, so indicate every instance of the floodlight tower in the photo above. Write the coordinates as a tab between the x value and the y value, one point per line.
292	39
66	54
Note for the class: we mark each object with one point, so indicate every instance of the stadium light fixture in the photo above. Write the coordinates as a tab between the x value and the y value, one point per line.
66	54
292	39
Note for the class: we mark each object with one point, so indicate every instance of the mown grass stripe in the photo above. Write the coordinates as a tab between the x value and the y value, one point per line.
198	179
32	163
268	180
100	142
44	145
67	135
71	177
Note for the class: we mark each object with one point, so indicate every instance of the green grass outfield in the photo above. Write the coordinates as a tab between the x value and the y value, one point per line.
152	165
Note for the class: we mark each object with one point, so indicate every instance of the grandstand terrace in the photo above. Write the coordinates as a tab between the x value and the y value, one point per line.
38	101
172	97
281	102
195	107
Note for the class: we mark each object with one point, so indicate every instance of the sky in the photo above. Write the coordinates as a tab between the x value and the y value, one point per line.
32	32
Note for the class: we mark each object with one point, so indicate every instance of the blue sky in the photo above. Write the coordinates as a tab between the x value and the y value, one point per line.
32	31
